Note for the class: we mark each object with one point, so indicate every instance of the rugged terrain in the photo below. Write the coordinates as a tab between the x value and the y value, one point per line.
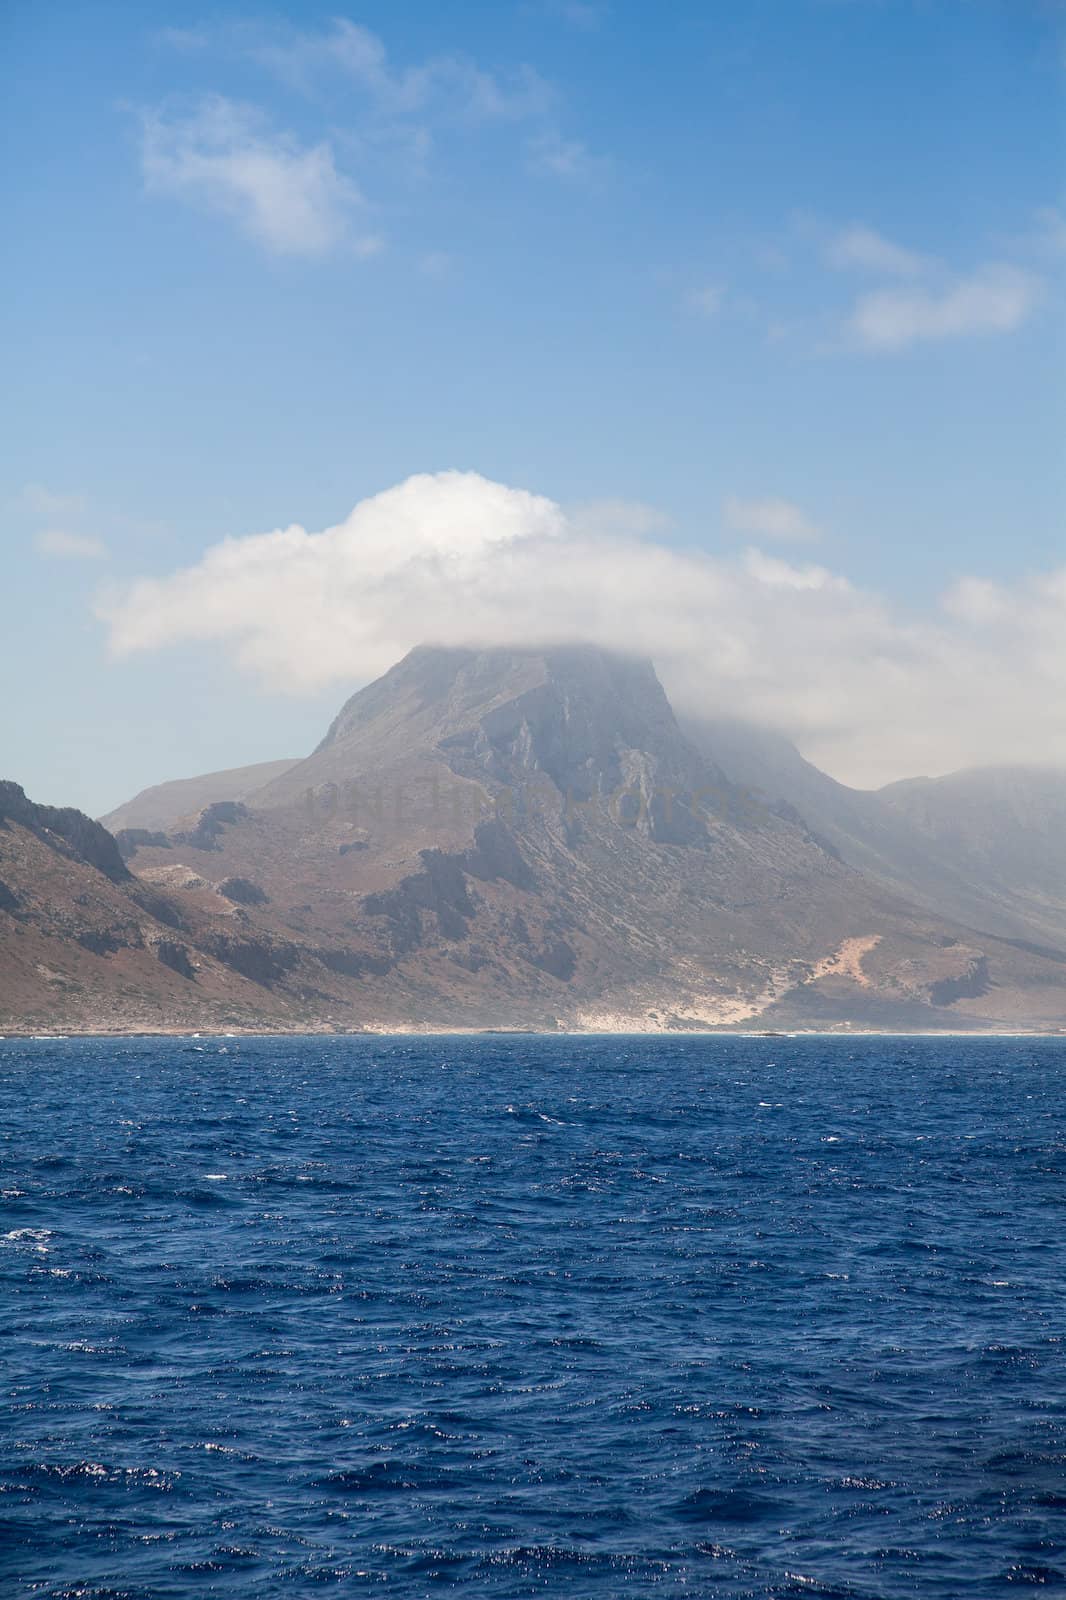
528	840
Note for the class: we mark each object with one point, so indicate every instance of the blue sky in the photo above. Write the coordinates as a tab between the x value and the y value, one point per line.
774	275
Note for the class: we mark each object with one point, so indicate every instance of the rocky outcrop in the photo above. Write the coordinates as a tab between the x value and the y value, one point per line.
970	984
108	941
85	838
353	963
243	892
264	961
440	888
495	856
556	958
210	824
176	957
130	840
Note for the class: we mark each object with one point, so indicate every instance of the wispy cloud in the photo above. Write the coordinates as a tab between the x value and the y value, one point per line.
436	264
221	156
69	546
864	248
770	519
569	159
706	301
57	510
44	502
585	15
994	299
921	296
451	85
1049	234
298	196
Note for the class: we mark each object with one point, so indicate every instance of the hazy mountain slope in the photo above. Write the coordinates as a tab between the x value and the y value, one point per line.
988	849
164	804
1001	827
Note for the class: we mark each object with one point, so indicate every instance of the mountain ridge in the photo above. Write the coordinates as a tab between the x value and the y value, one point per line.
530	838
163	804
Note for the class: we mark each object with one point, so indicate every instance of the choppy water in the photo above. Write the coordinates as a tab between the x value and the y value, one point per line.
591	1318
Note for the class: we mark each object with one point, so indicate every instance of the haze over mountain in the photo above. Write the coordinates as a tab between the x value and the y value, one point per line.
527	838
986	846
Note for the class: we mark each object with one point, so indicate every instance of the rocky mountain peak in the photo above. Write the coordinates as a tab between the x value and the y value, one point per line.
586	718
444	691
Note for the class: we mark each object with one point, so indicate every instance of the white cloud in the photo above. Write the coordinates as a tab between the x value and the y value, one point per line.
976	600
994	299
778	574
69	546
863	248
770	519
453	558
289	197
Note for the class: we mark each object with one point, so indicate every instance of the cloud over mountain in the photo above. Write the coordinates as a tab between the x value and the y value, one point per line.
453	558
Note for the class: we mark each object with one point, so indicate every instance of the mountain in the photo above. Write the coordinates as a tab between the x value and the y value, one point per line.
1004	827
986	847
165	804
523	838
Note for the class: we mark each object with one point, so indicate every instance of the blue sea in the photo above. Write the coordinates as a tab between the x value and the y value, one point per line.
515	1316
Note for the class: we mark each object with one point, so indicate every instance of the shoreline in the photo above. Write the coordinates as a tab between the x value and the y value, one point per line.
843	1032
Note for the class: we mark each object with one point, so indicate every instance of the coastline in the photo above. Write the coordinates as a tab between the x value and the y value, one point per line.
843	1032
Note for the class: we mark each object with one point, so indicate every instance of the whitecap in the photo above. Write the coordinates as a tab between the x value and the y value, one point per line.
38	1237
